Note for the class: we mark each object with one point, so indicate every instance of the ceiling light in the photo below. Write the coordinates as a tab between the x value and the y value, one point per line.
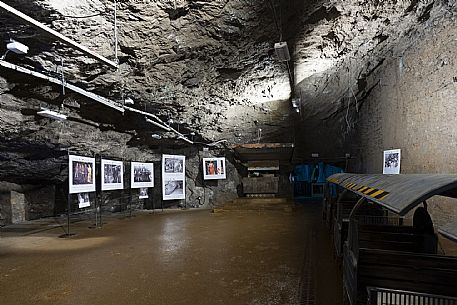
156	136
17	47
52	115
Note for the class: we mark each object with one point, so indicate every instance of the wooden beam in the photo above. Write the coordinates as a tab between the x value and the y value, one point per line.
38	25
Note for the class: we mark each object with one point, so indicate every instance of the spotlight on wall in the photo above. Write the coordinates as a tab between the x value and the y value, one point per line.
296	104
282	51
52	114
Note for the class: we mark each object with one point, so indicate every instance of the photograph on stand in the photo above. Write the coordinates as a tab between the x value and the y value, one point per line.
112	175
142	175
81	174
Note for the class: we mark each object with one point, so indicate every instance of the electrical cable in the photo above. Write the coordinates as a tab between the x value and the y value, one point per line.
276	19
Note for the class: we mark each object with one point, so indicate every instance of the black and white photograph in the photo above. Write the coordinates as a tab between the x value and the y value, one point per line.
112	175
174	165
214	168
174	188
83	200
81	174
143	193
142	175
173	177
391	162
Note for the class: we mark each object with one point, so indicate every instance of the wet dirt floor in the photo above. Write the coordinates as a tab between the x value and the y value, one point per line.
189	257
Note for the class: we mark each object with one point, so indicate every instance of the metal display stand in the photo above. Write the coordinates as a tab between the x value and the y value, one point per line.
68	233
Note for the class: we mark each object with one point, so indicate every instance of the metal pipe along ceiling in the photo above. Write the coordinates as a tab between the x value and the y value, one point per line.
107	102
38	25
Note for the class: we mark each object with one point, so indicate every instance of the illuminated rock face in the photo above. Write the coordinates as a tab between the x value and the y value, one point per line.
207	67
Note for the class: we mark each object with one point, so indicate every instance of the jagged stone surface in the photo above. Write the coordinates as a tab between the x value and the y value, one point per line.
204	66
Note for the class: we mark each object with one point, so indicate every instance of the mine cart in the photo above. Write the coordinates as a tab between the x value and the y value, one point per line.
328	204
388	264
367	213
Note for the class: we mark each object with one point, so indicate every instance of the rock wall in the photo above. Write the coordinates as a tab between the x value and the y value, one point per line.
40	202
413	108
338	47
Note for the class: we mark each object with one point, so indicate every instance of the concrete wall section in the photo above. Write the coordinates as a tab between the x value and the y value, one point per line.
18	205
414	108
5	208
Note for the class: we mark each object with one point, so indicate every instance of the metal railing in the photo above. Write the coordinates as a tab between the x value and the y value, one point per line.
382	296
379	220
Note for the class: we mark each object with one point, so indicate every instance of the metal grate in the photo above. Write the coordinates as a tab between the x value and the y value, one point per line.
306	292
382	296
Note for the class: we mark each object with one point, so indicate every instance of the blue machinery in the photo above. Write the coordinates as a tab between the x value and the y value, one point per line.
310	181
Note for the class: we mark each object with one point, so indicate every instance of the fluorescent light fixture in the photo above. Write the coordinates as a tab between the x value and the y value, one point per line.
17	47
129	101
52	115
315	155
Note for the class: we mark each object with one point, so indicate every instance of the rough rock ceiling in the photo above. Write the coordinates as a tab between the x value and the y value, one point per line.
338	47
206	67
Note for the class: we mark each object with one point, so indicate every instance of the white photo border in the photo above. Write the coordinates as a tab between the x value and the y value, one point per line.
112	186
168	177
137	185
391	170
220	164
80	188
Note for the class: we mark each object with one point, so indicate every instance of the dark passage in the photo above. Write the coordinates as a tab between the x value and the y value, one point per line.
235	257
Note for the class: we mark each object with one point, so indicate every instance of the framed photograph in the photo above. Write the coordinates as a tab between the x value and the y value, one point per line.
214	168
143	193
112	175
142	175
83	200
81	174
173	164
173	177
391	161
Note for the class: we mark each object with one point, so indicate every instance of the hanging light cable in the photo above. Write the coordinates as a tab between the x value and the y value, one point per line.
115	32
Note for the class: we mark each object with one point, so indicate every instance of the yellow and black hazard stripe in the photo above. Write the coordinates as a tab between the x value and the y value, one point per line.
366	190
333	180
363	189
